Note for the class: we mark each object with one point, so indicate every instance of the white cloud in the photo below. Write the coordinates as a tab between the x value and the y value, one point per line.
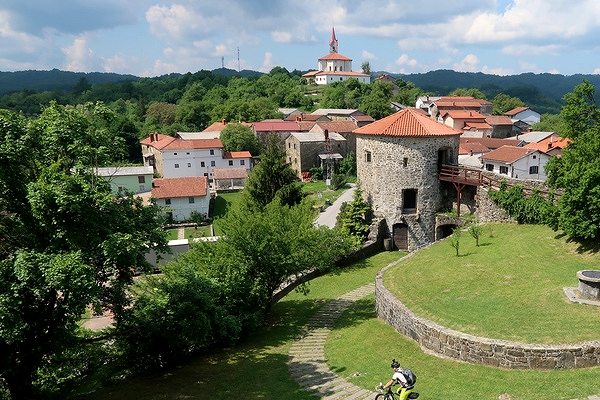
468	64
596	71
368	56
79	56
404	59
268	63
281	36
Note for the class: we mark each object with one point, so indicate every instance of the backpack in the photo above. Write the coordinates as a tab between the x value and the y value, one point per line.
410	376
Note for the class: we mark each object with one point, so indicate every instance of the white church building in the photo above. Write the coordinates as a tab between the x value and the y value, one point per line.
335	67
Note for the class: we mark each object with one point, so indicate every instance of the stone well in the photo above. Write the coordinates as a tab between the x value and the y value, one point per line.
589	284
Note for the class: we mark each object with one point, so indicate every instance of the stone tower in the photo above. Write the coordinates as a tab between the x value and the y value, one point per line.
397	160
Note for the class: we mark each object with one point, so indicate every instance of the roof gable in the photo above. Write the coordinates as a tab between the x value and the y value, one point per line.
508	154
276	126
163	188
408	122
180	144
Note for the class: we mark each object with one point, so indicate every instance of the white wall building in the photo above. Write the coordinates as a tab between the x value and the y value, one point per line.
516	162
180	196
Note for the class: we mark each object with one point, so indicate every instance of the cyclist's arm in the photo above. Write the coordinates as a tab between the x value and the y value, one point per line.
390	383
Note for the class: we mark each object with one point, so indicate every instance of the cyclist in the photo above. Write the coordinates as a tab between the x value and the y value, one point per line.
398	376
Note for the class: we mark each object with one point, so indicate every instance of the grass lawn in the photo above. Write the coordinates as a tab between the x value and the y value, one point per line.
510	287
312	190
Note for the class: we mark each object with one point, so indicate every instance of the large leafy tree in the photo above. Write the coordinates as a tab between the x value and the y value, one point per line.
65	241
577	171
238	137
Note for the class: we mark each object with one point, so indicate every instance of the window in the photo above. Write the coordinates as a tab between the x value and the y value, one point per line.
534	156
212	164
242	162
489	167
404	162
409	201
230	162
202	164
174	154
192	200
176	165
188	153
289	145
533	170
141	179
206	174
142	188
167	201
367	156
212	152
189	165
504	169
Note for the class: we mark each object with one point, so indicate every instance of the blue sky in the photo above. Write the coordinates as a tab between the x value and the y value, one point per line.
150	38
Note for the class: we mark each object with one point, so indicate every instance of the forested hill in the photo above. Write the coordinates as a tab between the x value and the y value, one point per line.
542	92
55	79
41	81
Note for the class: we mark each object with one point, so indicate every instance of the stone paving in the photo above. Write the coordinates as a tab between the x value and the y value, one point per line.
307	363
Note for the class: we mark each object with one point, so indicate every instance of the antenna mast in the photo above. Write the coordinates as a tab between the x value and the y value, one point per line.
238	58
222	62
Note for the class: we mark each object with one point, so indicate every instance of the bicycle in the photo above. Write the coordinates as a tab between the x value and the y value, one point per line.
403	393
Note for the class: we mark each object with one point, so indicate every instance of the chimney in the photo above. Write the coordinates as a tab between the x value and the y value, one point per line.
223	121
326	133
471	153
530	129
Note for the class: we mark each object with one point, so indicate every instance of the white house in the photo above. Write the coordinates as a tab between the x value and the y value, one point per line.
524	114
335	67
175	158
516	162
180	196
130	179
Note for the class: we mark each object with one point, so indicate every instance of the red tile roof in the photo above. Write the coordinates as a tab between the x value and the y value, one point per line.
507	154
229	173
549	144
219	126
466	148
158	140
408	122
335	56
460	101
476	125
498	120
463	114
490	143
276	126
337	126
163	188
180	144
515	111
236	154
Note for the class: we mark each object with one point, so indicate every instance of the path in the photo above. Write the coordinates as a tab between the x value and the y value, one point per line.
307	363
329	216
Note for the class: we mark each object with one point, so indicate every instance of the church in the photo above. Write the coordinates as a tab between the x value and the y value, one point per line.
335	67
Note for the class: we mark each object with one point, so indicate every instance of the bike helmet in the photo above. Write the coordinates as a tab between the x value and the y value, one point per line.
395	364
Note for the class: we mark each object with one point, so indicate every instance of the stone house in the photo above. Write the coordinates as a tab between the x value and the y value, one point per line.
305	150
502	126
344	128
398	158
283	129
471	123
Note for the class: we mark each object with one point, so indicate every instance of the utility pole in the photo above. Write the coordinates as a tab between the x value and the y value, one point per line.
238	59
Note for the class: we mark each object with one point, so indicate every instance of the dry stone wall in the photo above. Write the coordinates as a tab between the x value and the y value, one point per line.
459	346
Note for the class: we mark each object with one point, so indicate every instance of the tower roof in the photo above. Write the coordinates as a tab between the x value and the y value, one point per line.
408	122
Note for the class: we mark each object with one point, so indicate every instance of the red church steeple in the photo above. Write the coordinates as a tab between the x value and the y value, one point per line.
333	43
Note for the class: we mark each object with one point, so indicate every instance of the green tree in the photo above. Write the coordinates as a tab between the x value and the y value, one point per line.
355	216
577	171
272	177
366	68
377	102
549	123
66	242
260	250
473	92
503	103
238	137
454	239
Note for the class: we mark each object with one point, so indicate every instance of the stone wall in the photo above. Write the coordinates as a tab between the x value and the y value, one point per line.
447	343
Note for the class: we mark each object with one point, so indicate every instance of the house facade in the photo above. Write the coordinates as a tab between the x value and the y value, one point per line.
179	197
335	67
127	179
305	150
523	114
516	162
176	158
397	161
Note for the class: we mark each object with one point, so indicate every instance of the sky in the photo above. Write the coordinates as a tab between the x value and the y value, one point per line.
150	38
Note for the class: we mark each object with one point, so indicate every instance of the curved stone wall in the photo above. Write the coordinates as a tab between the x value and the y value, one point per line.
444	342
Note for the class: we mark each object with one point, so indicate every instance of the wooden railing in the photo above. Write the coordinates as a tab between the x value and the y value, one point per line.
477	177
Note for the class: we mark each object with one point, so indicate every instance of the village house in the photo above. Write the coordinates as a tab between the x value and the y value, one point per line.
335	67
179	197
229	178
345	114
305	150
516	162
397	159
127	179
436	106
502	126
344	128
471	149
283	129
552	145
174	157
523	116
471	123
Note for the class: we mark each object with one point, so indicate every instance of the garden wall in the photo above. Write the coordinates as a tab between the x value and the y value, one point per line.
444	342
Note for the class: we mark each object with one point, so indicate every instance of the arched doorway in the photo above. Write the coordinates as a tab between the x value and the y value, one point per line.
400	236
445	231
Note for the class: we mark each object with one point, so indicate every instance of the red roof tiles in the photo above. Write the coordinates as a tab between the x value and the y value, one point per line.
408	122
163	188
507	154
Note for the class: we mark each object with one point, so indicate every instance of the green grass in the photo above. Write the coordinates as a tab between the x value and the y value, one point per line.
312	190
256	368
201	231
360	349
172	234
510	287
